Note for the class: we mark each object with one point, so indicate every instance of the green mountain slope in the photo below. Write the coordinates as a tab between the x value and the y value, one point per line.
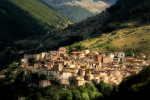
23	18
117	18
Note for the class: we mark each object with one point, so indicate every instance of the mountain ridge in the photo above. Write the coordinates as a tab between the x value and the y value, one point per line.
71	10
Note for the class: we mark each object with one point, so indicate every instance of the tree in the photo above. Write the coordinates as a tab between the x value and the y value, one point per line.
76	95
91	94
38	95
34	77
32	61
82	89
44	61
43	77
20	62
67	95
102	86
85	96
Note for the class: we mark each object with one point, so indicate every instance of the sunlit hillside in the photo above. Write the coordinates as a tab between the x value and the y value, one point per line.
27	18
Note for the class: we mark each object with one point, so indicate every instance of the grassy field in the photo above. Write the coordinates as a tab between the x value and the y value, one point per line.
134	38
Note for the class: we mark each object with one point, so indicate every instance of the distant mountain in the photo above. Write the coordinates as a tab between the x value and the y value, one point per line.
78	10
124	26
27	18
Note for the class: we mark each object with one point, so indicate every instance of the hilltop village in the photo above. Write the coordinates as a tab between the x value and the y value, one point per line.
81	66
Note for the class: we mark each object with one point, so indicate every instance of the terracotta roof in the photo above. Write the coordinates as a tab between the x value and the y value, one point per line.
2	75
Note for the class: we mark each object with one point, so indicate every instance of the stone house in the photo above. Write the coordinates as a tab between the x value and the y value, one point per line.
122	67
95	52
148	57
28	56
2	76
104	78
55	53
53	58
129	59
58	66
36	66
96	79
111	55
25	61
137	61
43	55
123	60
116	59
50	73
62	50
89	76
66	74
102	72
77	54
86	51
63	81
82	72
14	73
90	56
21	98
37	56
98	58
107	60
148	61
120	54
79	80
44	83
114	67
21	68
141	56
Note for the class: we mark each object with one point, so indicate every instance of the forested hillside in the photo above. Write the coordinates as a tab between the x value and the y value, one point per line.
27	18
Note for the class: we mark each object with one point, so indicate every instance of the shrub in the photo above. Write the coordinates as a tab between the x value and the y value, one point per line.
114	33
116	37
44	61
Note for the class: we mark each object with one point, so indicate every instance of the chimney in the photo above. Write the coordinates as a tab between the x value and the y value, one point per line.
100	64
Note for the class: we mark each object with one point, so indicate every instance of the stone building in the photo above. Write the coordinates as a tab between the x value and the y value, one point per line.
120	54
44	83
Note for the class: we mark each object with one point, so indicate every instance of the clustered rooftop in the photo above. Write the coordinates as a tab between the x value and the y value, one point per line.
82	66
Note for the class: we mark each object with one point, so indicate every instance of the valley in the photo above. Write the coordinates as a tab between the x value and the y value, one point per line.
46	56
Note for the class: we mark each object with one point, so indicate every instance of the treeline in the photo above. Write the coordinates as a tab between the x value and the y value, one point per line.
126	10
